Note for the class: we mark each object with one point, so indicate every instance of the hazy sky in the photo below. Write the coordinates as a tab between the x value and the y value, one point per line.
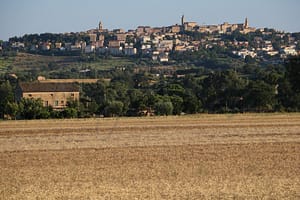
19	17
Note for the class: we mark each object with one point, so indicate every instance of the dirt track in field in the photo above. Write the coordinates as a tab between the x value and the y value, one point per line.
189	157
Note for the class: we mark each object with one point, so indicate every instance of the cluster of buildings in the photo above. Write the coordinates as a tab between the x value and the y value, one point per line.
265	48
157	42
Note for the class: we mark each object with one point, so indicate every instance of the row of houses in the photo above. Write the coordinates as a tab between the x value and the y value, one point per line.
283	53
193	26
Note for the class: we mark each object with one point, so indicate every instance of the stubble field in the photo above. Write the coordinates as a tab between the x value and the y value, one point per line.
253	156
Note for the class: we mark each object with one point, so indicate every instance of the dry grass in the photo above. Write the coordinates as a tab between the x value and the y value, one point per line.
189	157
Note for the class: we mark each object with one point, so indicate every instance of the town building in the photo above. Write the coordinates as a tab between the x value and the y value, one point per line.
130	50
114	43
175	29
89	48
93	37
121	36
187	26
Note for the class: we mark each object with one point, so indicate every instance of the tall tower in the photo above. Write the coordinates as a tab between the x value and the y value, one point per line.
100	26
182	20
246	24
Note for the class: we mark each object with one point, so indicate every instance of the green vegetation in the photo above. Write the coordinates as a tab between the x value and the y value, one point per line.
29	66
129	93
6	63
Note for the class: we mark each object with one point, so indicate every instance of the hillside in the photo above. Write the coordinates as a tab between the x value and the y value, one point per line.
56	66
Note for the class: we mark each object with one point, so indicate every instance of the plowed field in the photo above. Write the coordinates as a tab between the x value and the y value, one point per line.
252	156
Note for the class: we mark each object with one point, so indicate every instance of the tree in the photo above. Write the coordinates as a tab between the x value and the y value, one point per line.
163	108
120	89
70	112
93	107
293	73
260	96
72	109
150	98
33	109
114	108
6	96
288	99
12	110
136	102
191	104
95	92
177	102
222	91
289	86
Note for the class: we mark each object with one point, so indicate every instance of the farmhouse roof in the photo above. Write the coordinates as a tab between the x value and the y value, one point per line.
49	87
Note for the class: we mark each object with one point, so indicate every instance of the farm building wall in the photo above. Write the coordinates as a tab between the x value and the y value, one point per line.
58	100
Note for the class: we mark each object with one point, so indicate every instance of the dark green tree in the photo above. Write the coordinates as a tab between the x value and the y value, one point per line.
136	102
260	96
6	96
177	103
191	104
222	91
114	108
293	73
92	108
289	89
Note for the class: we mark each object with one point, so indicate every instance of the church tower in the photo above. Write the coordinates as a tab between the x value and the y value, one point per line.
182	20
246	24
100	26
182	23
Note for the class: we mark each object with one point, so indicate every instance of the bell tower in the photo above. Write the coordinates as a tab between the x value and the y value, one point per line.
100	26
182	20
182	23
246	24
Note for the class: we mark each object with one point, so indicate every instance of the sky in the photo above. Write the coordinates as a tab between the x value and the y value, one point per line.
19	17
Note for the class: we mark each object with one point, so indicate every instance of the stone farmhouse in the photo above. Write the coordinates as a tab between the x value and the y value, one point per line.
52	94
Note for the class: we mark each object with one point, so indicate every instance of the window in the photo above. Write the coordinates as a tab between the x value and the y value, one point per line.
56	103
46	103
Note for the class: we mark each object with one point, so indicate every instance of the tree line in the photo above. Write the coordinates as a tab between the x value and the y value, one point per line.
249	89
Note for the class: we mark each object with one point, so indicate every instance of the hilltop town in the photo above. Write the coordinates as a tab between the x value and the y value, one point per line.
157	43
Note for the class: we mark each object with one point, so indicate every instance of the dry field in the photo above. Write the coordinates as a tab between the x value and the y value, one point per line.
190	157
